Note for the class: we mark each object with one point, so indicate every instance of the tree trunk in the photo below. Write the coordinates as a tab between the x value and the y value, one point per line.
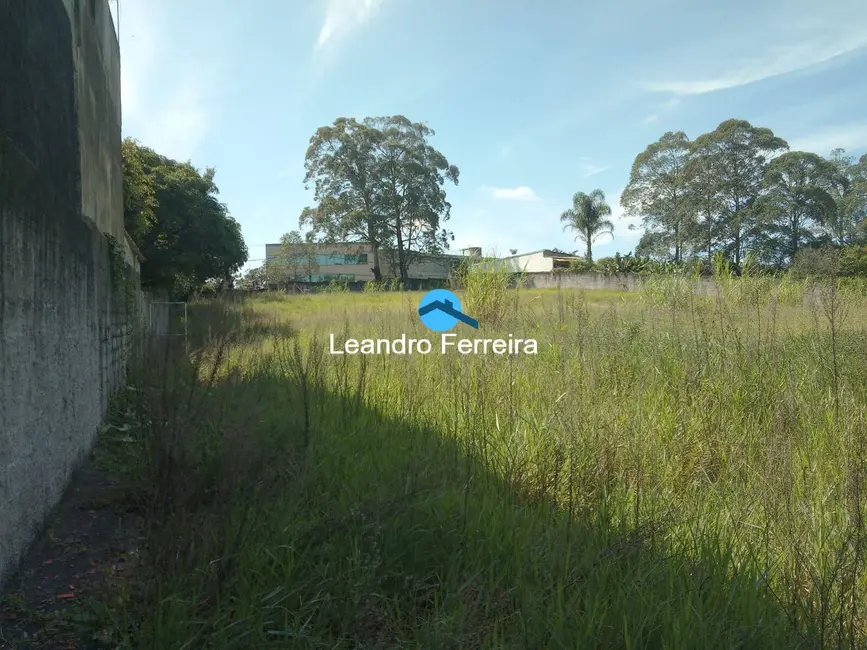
709	237
401	259
377	271
738	235
589	248
794	242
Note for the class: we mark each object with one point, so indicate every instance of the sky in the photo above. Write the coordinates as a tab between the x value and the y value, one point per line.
532	100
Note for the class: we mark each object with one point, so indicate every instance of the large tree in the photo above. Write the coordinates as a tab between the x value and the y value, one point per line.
848	224
796	202
737	151
411	194
381	182
174	216
341	164
588	218
704	203
658	188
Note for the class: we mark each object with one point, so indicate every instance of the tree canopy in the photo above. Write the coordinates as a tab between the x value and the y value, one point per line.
658	189
739	190
379	181
172	213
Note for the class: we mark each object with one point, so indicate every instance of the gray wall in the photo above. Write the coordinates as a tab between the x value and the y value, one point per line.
97	63
625	282
64	320
702	286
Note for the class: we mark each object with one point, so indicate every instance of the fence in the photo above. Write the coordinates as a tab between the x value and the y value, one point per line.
167	319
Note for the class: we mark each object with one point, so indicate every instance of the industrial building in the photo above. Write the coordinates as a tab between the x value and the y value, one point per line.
353	262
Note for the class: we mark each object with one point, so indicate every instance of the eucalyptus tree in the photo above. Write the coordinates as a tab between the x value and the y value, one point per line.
848	225
658	188
738	152
796	203
341	164
411	199
381	182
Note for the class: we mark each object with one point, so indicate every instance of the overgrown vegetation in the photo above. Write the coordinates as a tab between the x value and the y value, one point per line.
671	470
739	191
173	214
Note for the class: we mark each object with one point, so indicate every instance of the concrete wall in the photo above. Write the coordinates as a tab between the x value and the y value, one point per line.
626	282
97	64
64	310
704	286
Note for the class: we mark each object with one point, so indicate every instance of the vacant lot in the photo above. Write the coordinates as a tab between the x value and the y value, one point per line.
667	472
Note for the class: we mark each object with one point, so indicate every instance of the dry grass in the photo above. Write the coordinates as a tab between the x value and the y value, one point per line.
668	471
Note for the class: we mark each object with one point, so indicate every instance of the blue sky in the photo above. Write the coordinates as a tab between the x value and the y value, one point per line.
533	101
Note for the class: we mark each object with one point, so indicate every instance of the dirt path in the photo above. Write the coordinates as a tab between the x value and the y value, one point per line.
87	546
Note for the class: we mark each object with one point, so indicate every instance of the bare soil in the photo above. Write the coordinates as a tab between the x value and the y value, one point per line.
85	551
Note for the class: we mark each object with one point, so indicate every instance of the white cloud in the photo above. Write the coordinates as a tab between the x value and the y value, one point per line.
773	62
665	107
521	193
588	168
342	16
851	136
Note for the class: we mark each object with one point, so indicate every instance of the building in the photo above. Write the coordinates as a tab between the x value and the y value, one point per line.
540	261
353	262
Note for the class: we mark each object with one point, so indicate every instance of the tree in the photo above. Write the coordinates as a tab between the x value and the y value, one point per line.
379	181
797	201
847	225
341	163
185	234
588	218
296	260
737	151
139	195
658	188
254	279
411	195
653	246
704	201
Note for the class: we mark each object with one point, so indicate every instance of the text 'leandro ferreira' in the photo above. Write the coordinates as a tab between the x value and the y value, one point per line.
448	342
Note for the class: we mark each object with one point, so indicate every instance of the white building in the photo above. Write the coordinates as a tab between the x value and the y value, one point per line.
540	261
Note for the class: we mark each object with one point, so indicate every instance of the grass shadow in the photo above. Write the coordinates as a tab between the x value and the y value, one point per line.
286	512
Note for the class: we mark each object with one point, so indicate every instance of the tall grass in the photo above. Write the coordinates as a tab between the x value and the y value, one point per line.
685	471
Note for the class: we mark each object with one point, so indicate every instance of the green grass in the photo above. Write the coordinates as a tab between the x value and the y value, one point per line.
670	471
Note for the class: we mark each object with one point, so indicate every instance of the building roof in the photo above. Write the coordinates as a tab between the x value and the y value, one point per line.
546	252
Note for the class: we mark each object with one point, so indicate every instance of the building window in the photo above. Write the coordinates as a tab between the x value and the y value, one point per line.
355	260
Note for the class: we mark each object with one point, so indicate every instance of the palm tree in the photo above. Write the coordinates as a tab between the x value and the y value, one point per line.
587	217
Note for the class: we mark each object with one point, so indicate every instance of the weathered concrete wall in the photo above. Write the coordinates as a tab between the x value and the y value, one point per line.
626	282
702	286
98	102
64	310
621	282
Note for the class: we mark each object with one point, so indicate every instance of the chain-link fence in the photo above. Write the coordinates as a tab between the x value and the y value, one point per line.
168	319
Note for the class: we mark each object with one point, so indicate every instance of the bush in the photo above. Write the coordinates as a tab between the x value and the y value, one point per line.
853	261
581	265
